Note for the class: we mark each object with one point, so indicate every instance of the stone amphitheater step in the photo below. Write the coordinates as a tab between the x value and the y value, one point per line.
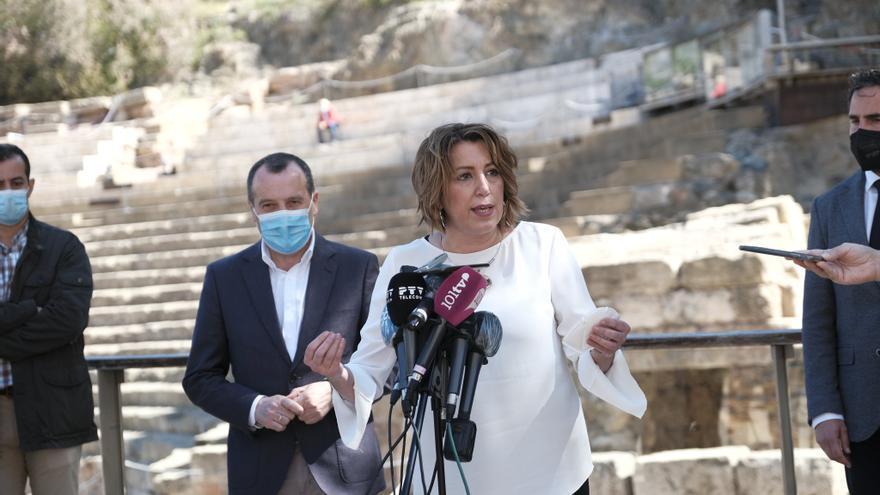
146	447
360	124
223	221
185	259
388	150
604	201
168	394
146	295
430	99
139	348
167	375
188	420
559	186
62	151
173	242
143	278
150	331
120	222
190	186
142	313
243	236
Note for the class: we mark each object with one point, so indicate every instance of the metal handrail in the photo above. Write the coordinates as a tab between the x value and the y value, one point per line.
741	338
111	374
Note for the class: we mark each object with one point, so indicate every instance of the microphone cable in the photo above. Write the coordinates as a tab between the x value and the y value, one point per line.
467	489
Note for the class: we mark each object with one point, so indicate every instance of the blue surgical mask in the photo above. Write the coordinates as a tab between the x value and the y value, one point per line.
13	205
286	231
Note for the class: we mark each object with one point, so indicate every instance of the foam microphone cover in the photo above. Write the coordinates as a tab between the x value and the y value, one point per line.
458	295
487	338
389	329
405	291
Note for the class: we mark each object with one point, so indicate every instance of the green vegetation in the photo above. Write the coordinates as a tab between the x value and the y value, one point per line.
62	49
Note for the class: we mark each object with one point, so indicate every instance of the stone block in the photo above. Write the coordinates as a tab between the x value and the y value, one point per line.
646	171
761	472
746	270
688	472
711	165
612	473
702	309
91	478
610	200
650	197
642	277
209	469
675	359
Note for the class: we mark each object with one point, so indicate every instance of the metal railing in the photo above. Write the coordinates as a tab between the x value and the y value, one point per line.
824	56
111	374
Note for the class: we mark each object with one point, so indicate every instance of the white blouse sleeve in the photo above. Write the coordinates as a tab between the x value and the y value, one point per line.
575	316
369	366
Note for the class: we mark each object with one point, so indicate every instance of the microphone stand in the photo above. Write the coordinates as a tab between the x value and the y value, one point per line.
432	390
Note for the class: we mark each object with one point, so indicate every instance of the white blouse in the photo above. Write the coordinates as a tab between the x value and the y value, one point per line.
531	434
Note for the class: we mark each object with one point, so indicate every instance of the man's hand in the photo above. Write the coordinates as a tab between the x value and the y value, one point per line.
315	400
324	354
276	412
606	337
834	440
846	264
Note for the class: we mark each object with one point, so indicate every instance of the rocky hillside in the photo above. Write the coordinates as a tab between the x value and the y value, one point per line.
62	49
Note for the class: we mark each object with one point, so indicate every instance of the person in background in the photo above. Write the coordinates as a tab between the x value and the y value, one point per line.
327	121
840	332
46	407
532	437
258	310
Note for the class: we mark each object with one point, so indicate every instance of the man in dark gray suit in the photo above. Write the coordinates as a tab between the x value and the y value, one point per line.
259	309
842	323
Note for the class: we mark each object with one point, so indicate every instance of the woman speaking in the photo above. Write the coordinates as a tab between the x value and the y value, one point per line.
532	437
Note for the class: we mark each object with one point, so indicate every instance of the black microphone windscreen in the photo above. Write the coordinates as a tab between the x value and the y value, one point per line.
405	291
488	333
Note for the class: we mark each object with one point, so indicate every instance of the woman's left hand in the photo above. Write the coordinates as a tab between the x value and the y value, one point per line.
607	336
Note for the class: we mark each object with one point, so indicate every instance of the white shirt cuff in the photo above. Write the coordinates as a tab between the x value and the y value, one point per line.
252	416
351	417
825	417
616	386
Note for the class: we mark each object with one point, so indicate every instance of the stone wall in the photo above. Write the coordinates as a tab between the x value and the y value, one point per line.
691	277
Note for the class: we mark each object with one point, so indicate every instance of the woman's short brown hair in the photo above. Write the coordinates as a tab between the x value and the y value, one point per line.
432	170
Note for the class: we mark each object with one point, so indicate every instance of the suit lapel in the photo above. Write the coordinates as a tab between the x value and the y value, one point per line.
259	288
322	273
853	206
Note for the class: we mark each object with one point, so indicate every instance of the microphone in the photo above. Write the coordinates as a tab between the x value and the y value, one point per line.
455	300
391	336
420	314
405	292
487	340
484	329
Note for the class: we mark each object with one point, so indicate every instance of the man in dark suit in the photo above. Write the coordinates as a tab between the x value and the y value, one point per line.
842	323
46	408
259	309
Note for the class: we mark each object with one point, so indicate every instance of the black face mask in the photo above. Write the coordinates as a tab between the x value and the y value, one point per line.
865	146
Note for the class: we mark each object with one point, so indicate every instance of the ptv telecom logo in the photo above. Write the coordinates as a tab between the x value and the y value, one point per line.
406	293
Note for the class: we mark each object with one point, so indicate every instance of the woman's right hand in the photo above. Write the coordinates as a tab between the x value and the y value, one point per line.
324	355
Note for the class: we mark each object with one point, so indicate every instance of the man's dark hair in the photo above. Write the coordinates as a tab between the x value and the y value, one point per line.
277	163
8	151
863	79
